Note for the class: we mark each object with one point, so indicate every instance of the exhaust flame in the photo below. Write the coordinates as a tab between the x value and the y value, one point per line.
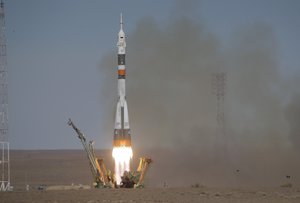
122	156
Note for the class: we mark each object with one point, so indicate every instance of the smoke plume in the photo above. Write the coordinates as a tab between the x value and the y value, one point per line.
172	108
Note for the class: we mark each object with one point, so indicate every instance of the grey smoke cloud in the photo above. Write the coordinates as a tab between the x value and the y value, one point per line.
171	105
293	118
169	83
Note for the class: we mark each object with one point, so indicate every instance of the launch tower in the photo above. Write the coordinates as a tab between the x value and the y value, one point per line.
4	145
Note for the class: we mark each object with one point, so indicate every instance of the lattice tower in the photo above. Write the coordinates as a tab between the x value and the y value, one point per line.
4	145
219	86
3	79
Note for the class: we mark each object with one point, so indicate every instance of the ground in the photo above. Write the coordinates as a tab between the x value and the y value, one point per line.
70	167
156	195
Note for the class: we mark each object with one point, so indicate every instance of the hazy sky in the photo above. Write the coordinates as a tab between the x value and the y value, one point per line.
55	49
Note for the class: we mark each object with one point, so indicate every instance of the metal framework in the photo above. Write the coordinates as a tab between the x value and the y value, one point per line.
219	86
3	79
4	145
4	167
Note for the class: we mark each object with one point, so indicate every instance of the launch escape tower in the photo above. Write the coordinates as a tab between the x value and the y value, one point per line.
4	145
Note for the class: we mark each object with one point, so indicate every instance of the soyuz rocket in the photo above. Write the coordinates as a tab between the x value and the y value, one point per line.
122	137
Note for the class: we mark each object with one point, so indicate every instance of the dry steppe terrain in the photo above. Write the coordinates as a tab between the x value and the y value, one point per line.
67	167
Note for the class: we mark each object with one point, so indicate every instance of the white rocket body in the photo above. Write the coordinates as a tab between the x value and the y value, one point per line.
122	135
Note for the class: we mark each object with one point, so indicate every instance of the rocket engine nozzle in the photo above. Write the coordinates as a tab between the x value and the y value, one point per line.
122	138
122	143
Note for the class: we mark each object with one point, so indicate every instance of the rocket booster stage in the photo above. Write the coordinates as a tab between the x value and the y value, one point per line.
122	137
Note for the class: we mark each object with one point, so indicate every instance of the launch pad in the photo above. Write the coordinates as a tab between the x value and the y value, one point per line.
104	178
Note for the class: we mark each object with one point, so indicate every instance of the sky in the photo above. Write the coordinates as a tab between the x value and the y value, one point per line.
56	48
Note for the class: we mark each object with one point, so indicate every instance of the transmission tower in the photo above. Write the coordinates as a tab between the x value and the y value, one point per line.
4	145
219	85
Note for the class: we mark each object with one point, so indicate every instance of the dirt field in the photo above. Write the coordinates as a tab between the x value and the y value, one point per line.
156	195
67	167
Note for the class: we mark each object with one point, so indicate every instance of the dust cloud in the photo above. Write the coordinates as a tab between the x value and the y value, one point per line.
172	108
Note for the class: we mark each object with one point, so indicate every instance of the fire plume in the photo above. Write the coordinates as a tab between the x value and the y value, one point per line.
122	156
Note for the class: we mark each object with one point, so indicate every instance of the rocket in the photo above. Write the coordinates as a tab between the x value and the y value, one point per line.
122	137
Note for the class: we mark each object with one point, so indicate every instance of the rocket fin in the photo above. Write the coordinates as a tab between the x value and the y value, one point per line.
118	121
126	117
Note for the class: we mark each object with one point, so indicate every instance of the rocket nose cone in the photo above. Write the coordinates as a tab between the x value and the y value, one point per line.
121	33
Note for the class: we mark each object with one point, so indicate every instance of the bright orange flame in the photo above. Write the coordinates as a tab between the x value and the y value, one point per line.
122	156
